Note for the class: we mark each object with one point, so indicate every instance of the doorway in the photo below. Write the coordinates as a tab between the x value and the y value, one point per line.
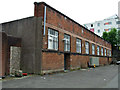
66	61
15	54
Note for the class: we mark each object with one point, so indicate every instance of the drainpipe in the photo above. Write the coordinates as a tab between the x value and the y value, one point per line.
44	19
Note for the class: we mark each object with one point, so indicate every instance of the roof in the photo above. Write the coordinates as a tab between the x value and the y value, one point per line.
17	20
113	17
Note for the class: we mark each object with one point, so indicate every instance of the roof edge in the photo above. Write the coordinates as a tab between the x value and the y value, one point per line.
17	20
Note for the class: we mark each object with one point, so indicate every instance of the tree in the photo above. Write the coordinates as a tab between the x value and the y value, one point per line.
111	36
118	37
105	36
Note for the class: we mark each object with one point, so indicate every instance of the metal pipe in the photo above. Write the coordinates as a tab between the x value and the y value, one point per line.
44	19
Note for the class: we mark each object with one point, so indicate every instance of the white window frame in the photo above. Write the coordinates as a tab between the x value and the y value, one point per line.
52	39
101	51
87	47
105	51
78	45
93	49
98	50
66	42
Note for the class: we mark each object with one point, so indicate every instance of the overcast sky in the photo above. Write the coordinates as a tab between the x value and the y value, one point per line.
82	11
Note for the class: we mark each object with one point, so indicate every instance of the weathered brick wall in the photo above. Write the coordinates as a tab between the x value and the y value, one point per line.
64	25
52	61
79	61
103	60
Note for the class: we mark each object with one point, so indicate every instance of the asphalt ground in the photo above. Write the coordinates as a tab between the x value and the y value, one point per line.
99	77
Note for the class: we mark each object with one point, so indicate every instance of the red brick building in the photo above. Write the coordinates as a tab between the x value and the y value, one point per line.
76	36
51	41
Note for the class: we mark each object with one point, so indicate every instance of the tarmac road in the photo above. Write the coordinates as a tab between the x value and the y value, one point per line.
100	77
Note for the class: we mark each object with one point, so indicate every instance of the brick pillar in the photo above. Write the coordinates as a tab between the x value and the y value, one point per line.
3	53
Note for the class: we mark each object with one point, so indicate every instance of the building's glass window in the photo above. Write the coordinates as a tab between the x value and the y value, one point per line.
78	45
52	39
110	53
98	50
82	31
105	52
117	22
93	49
98	24
86	47
98	31
66	43
102	51
91	25
108	23
106	30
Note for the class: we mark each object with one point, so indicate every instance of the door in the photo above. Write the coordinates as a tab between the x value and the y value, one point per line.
66	61
15	54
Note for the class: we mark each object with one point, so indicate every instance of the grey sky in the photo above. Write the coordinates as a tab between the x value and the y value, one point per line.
82	11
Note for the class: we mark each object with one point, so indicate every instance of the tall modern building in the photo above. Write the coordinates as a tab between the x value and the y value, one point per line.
98	27
119	14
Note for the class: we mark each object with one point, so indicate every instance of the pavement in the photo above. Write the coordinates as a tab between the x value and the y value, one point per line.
99	77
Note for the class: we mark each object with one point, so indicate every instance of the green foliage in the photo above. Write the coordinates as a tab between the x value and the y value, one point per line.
111	36
105	36
118	37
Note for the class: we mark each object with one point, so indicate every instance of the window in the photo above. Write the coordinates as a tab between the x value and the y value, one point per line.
102	51
117	22
86	47
98	24
91	25
108	23
110	53
105	52
67	43
98	31
93	49
106	30
52	39
98	51
78	45
82	31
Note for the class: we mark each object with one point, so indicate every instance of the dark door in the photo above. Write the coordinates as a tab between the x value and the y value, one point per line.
66	61
108	60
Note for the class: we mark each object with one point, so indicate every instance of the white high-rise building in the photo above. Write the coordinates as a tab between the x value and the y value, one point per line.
98	27
119	14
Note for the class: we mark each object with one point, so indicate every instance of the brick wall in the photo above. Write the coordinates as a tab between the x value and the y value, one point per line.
3	54
52	61
79	61
65	25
